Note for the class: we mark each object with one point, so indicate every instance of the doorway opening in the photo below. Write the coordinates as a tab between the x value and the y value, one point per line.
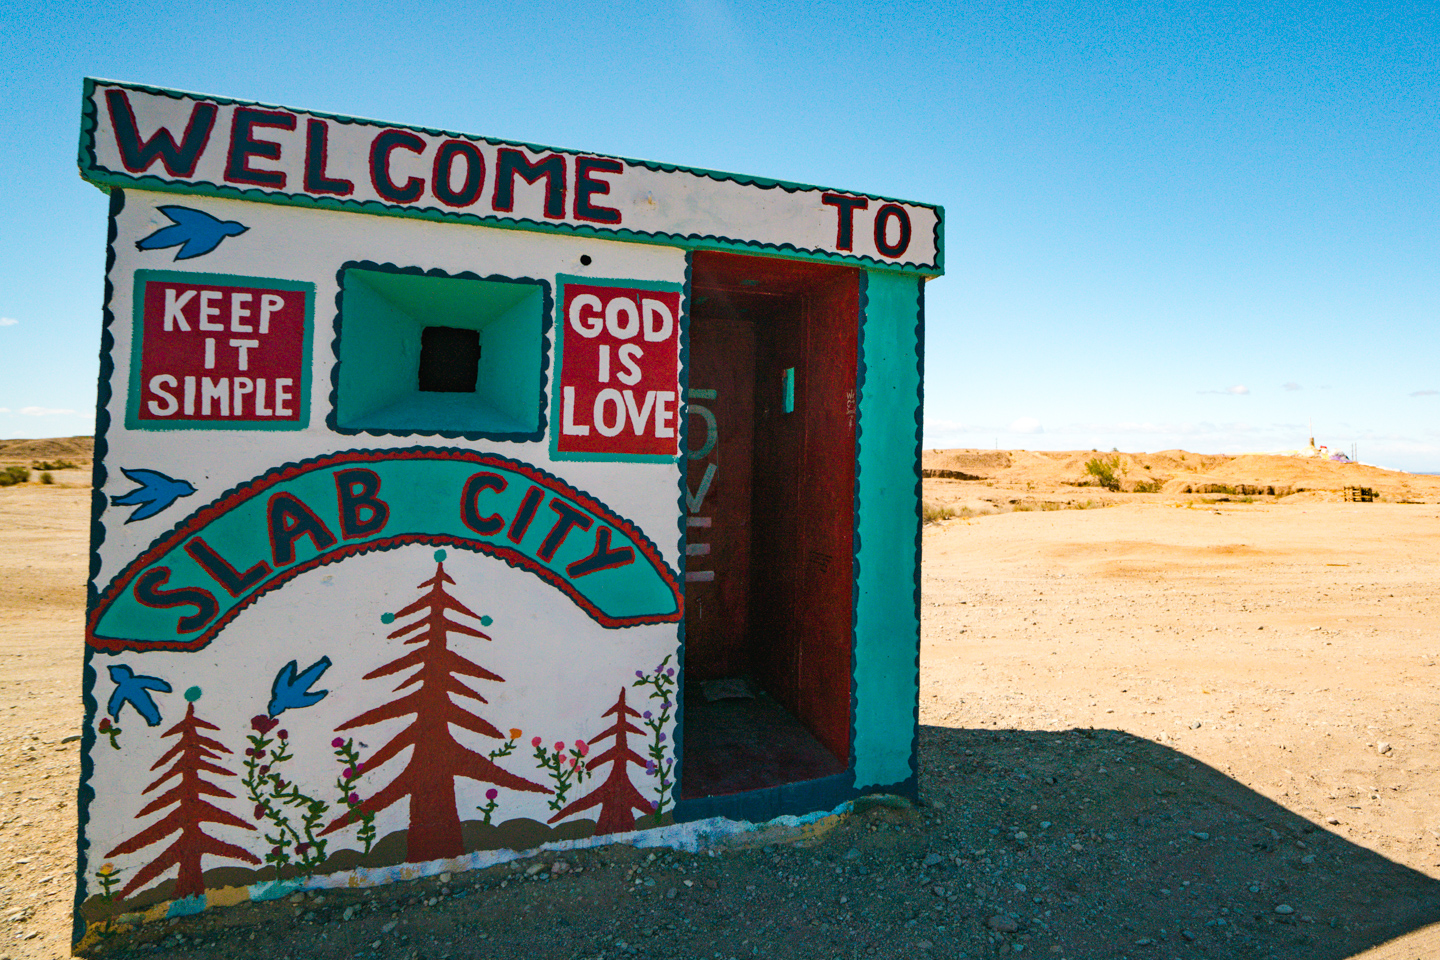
770	525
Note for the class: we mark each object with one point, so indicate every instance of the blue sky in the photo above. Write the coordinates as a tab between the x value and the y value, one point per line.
1176	224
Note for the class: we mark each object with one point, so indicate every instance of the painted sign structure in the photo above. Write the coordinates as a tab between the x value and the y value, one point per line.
456	497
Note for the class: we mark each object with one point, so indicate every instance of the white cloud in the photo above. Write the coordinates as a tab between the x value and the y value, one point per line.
1026	425
1292	385
8	321
42	411
4	409
1239	390
1425	393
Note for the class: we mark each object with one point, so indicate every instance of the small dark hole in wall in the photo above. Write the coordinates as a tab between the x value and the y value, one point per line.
449	360
585	260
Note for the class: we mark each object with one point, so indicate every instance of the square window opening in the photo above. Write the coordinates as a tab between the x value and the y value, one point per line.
430	354
449	360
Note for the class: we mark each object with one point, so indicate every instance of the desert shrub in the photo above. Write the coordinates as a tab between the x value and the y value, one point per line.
13	475
47	477
53	465
935	512
1106	470
1148	486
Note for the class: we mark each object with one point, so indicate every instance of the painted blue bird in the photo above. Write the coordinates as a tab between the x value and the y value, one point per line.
195	232
290	691
156	493
135	690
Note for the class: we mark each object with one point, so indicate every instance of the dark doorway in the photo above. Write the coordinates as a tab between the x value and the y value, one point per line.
768	594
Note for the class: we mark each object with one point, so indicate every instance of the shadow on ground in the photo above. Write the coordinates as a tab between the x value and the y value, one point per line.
1086	845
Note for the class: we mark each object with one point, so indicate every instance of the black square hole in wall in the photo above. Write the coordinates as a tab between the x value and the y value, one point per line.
449	360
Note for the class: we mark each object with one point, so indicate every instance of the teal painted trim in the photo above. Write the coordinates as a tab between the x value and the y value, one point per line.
887	621
557	398
90	170
137	339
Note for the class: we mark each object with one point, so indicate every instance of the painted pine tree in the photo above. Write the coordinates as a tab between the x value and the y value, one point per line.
193	755
437	758
616	797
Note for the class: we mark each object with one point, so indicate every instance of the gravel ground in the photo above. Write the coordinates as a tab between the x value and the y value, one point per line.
1081	836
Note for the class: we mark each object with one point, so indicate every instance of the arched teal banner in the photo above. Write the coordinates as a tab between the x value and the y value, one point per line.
181	592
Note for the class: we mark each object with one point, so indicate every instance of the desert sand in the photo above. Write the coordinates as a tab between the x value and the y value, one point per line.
1147	727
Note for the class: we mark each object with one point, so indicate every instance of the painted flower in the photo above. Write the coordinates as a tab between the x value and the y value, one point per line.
251	752
348	773
654	805
665	706
646	714
276	850
660	737
574	761
263	724
650	768
515	733
491	794
640	674
283	734
259	811
301	847
104	724
583	747
264	769
536	742
670	672
107	869
353	798
559	746
338	743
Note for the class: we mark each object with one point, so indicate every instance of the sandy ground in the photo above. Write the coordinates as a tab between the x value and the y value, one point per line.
1145	730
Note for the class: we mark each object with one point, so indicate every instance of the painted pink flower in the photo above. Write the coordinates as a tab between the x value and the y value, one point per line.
491	794
583	747
349	773
535	742
354	798
338	743
263	724
559	746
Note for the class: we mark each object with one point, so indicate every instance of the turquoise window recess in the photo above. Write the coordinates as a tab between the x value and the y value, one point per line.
382	322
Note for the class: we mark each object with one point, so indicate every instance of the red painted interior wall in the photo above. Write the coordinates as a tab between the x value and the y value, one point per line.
786	616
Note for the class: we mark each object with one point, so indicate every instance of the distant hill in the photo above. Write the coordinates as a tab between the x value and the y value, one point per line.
1176	472
78	449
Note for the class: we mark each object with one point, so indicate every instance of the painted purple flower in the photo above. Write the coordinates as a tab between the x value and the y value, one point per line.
353	798
650	768
263	724
640	674
665	705
660	737
338	743
491	794
646	714
654	805
670	672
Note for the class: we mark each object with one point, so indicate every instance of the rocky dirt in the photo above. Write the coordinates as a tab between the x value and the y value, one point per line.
1170	728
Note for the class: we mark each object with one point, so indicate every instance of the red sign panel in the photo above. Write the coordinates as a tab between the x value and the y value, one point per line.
221	351
618	390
